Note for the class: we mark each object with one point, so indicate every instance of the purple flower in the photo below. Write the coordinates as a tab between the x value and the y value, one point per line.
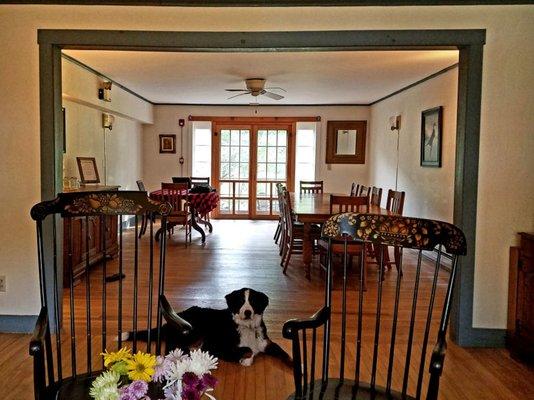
162	365
126	395
208	381
189	393
190	379
138	388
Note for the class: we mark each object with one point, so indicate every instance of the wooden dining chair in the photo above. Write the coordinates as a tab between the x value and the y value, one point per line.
342	204
182	179
395	201
311	186
144	217
375	197
364	190
370	349
354	189
278	231
293	232
199	180
176	195
78	323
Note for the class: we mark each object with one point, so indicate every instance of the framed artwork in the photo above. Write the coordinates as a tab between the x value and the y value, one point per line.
431	137
88	170
345	142
167	144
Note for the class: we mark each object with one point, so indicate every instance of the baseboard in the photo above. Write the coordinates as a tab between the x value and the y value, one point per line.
482	337
17	323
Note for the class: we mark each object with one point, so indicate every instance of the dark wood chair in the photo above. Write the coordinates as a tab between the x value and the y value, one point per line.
71	332
199	180
364	190
311	186
385	350
278	231
182	179
395	201
293	232
375	197
354	189
176	195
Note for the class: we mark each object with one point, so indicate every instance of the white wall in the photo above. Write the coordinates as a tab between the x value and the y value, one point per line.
159	168
429	191
506	187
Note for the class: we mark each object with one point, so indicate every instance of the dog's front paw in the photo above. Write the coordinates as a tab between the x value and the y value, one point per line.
246	362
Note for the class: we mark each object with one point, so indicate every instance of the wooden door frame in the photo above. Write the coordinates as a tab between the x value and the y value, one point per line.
469	42
253	124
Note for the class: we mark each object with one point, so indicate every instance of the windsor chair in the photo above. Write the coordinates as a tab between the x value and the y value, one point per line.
388	352
78	323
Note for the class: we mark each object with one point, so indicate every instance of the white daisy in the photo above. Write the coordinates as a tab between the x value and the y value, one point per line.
174	356
202	362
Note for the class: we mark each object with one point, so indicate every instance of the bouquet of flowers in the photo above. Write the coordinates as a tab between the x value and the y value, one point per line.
179	376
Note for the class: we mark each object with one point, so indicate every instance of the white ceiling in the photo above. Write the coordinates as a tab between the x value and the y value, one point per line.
352	77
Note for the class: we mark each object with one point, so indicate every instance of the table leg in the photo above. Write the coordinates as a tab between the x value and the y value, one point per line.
307	249
196	226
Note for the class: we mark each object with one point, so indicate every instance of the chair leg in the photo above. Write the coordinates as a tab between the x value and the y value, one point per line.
144	223
288	256
277	232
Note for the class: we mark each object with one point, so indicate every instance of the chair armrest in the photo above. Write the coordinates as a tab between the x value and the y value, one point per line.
172	318
39	332
318	319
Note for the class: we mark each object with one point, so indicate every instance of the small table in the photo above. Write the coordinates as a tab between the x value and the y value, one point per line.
314	208
200	204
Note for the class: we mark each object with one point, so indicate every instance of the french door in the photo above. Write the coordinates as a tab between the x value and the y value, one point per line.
248	160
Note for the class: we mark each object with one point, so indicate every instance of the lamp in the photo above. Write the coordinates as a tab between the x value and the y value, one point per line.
104	93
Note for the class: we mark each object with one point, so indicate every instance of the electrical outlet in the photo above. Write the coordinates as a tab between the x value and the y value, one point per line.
2	283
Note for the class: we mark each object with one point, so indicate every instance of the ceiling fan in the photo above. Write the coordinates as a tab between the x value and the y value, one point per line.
256	87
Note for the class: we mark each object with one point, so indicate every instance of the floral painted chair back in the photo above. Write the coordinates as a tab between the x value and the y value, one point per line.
380	337
88	308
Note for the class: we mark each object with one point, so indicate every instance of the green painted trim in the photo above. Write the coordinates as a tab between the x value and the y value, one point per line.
274	3
415	84
469	42
17	323
101	75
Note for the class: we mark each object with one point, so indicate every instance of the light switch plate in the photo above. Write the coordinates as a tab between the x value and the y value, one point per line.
2	283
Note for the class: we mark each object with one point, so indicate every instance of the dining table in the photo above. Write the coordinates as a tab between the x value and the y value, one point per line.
314	208
200	205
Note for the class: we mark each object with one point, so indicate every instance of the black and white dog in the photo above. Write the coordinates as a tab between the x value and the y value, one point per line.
236	333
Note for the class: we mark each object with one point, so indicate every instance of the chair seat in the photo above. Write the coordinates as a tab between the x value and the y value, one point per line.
334	389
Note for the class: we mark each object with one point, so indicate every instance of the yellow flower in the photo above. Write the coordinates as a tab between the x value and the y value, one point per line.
113	357
141	367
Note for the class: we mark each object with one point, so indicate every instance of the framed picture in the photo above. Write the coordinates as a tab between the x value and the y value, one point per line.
431	135
345	142
167	144
88	170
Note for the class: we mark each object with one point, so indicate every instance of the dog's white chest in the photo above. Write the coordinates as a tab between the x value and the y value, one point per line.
252	338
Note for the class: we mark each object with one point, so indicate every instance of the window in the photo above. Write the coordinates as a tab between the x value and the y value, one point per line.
201	149
305	152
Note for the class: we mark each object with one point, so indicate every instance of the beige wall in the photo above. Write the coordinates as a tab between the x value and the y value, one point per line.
506	187
119	158
158	168
429	191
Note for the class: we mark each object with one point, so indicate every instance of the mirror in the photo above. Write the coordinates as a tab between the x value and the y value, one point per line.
345	142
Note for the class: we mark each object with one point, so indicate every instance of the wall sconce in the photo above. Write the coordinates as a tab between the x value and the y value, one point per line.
104	93
395	122
107	121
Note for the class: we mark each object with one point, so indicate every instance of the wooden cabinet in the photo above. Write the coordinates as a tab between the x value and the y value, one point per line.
85	235
520	332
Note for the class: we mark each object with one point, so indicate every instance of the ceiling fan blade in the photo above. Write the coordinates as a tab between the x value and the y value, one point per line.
276	88
237	95
272	95
236	90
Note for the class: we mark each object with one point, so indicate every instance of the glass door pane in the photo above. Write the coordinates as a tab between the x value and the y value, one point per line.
234	171
271	168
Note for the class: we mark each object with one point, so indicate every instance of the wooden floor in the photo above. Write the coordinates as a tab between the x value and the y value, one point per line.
242	254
